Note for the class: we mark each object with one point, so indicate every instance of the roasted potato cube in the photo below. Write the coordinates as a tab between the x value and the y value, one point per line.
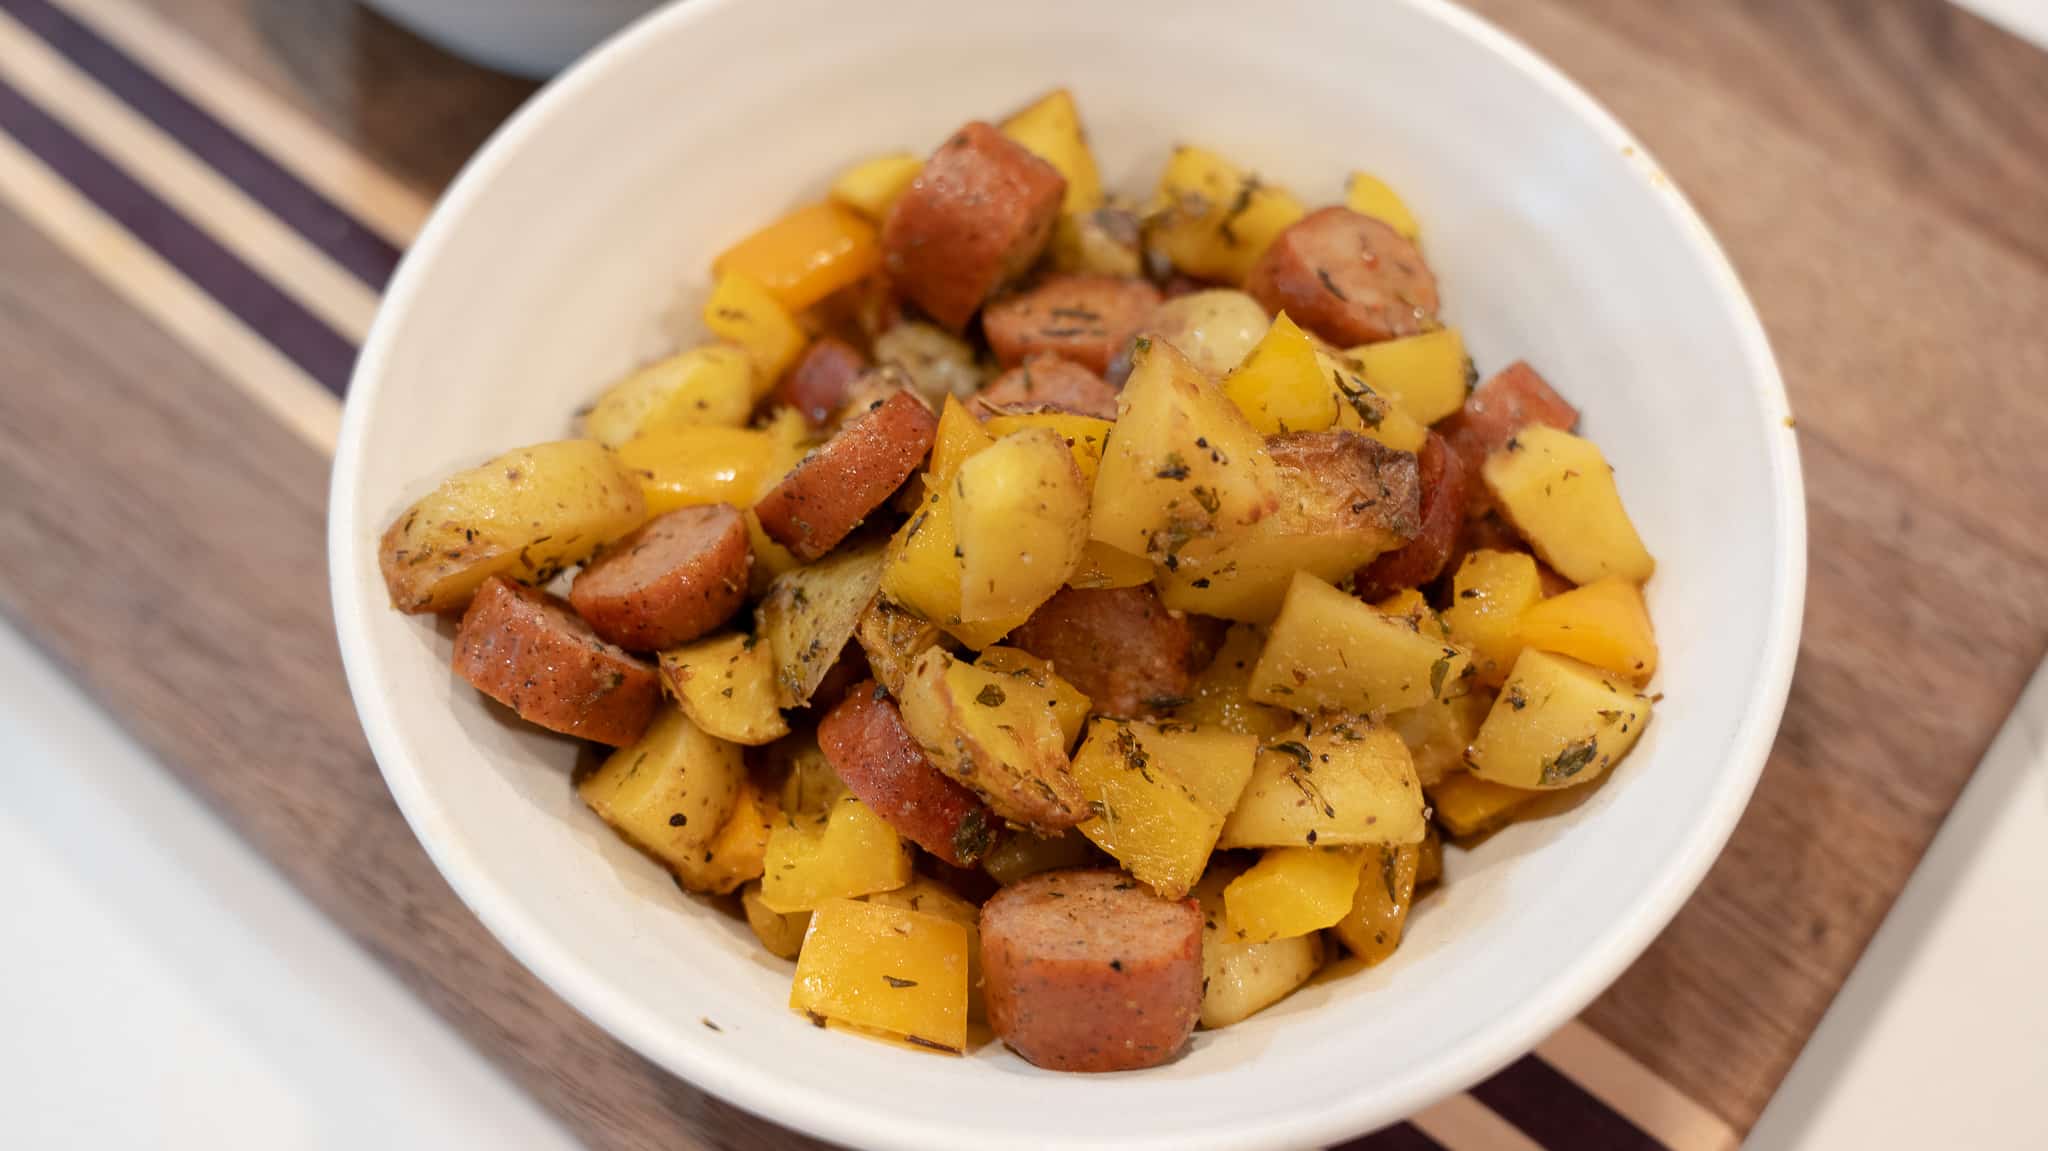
711	386
1051	129
1559	492
1330	652
1241	979
1068	704
669	793
1490	592
738	852
1159	796
848	852
1216	696
1215	329
1468	805
1020	516
1104	242
1084	435
1348	783
1291	891
1604	624
871	186
1557	723
922	571
1438	732
1427	376
1280	386
807	255
1371	929
526	514
810	614
782	935
742	311
893	637
887	969
726	685
1368	195
1213	219
1001	742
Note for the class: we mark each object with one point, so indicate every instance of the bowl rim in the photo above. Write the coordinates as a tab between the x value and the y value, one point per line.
828	1115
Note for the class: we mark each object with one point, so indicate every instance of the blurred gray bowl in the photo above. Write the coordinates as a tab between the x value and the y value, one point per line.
535	38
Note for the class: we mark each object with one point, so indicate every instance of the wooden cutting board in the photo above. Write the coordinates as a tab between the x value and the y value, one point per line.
199	200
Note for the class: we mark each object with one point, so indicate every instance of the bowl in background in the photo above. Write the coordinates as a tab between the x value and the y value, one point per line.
576	244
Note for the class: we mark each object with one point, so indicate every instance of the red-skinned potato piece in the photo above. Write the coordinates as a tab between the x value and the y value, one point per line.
1086	319
883	766
826	496
1120	647
1090	971
821	379
978	215
674	579
1443	480
1048	381
1346	277
529	651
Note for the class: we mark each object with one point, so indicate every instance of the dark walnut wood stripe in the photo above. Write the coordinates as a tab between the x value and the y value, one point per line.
333	230
1552	1110
323	353
1399	1137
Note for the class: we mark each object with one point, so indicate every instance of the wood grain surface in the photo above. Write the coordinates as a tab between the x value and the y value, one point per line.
1877	171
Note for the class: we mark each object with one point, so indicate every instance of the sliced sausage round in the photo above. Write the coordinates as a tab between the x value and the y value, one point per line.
883	766
529	651
978	215
1441	475
1512	399
826	496
680	575
819	382
1090	971
1120	646
1048	381
1346	277
1087	319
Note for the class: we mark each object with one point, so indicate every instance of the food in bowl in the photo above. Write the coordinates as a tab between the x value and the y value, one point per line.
1138	598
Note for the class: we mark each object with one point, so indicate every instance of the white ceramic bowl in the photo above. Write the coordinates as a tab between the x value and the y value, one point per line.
571	244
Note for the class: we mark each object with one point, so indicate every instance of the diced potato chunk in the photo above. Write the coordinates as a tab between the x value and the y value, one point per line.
849	852
1051	129
1100	243
1280	386
711	385
1468	805
999	741
1183	464
1347	783
744	312
1216	696
934	898
683	467
887	969
1371	928
1604	624
1084	435
1069	706
1103	566
1020	517
1160	795
669	793
892	638
526	514
1559	492
810	786
1491	591
1241	979
1213	219
1438	732
1328	651
726	685
1557	723
809	615
738	853
782	935
923	568
872	186
1427	376
1291	891
1215	329
1368	195
806	255
1021	855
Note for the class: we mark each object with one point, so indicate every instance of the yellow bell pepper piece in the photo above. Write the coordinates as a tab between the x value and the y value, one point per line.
886	969
1468	805
1281	386
708	385
1604	624
1291	891
742	311
871	187
1426	376
1371	930
1368	195
685	467
806	255
1490	593
1103	566
1051	129
851	852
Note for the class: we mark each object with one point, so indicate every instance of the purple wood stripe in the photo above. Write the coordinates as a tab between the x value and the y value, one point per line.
351	244
291	329
1557	1112
1399	1137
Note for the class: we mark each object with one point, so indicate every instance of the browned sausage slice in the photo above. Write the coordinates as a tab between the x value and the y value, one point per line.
883	766
1090	971
836	486
1346	277
1120	646
1047	381
1350	483
1087	319
1442	478
680	575
527	650
819	382
1512	399
978	215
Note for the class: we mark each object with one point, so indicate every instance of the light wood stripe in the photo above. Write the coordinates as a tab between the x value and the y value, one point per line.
185	182
1634	1091
299	143
1462	1123
157	290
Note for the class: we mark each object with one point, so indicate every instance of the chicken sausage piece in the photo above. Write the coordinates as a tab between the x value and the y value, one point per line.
1048	381
1120	646
1090	971
680	575
1087	319
979	214
819	382
1346	277
1441	474
827	495
527	650
883	766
